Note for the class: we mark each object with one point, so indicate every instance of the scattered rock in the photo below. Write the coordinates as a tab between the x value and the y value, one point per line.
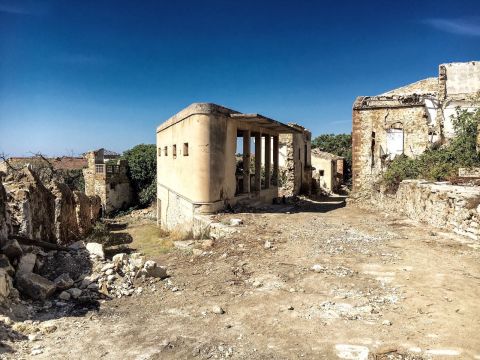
75	292
96	249
217	310
387	323
5	265
151	269
64	295
207	244
63	282
12	249
318	268
33	285
5	284
236	222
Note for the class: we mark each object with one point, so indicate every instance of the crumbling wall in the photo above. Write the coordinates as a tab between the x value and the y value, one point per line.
4	219
31	205
295	161
369	138
53	214
442	205
65	219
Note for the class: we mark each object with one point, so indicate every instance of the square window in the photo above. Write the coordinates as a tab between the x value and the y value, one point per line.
185	149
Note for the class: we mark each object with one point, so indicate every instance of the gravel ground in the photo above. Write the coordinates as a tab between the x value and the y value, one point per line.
314	280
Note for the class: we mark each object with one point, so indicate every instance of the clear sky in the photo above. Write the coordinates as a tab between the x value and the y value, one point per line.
78	75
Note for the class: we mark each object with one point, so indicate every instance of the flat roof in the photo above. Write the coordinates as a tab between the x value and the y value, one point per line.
210	108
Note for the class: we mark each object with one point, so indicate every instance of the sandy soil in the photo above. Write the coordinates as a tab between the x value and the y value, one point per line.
384	288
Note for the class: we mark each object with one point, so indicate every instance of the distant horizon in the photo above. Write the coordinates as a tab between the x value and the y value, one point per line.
77	77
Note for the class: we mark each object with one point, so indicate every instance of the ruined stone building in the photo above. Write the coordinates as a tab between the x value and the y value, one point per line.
327	171
294	161
197	169
106	176
409	120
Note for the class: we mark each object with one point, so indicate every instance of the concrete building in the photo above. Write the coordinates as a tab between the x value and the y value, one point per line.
294	161
327	171
197	169
106	176
409	120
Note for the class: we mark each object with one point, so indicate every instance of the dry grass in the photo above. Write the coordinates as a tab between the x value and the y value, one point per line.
150	239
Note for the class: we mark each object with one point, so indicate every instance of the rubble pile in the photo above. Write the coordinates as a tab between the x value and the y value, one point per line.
79	273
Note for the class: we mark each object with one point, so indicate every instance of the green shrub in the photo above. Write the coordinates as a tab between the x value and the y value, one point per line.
439	164
142	171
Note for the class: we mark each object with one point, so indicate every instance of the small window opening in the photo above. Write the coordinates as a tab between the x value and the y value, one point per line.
165	151
185	149
159	151
321	172
174	151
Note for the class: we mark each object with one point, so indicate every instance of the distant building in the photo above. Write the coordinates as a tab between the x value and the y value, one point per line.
409	120
106	176
197	168
327	171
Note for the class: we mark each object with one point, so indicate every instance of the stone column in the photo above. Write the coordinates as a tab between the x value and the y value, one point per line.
275	160
258	162
246	161
267	160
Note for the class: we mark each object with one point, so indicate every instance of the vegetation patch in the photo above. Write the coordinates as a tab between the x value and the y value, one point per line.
439	163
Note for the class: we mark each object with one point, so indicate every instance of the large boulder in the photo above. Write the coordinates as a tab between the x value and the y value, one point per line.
5	284
12	249
34	286
31	205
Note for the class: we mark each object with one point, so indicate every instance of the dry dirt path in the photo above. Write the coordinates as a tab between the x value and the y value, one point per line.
383	288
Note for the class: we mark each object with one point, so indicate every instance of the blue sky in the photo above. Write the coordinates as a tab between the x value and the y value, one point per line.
78	75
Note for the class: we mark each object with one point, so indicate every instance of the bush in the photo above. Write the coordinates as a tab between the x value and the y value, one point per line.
439	164
142	171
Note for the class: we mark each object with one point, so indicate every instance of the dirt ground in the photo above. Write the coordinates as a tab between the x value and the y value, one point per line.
382	288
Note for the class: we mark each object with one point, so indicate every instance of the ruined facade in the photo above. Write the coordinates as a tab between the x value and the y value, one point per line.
197	170
106	176
409	120
295	162
327	171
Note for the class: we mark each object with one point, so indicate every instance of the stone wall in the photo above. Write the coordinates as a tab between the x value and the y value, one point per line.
369	139
52	213
295	162
445	206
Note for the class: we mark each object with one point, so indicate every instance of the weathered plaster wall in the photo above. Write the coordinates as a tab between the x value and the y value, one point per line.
327	181
445	206
462	78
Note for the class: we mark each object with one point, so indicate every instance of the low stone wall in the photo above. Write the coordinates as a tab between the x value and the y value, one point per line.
442	205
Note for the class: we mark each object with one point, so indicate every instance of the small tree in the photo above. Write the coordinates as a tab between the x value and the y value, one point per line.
142	171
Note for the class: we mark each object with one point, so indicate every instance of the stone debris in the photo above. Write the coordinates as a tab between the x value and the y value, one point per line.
95	249
236	222
27	263
33	285
218	310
